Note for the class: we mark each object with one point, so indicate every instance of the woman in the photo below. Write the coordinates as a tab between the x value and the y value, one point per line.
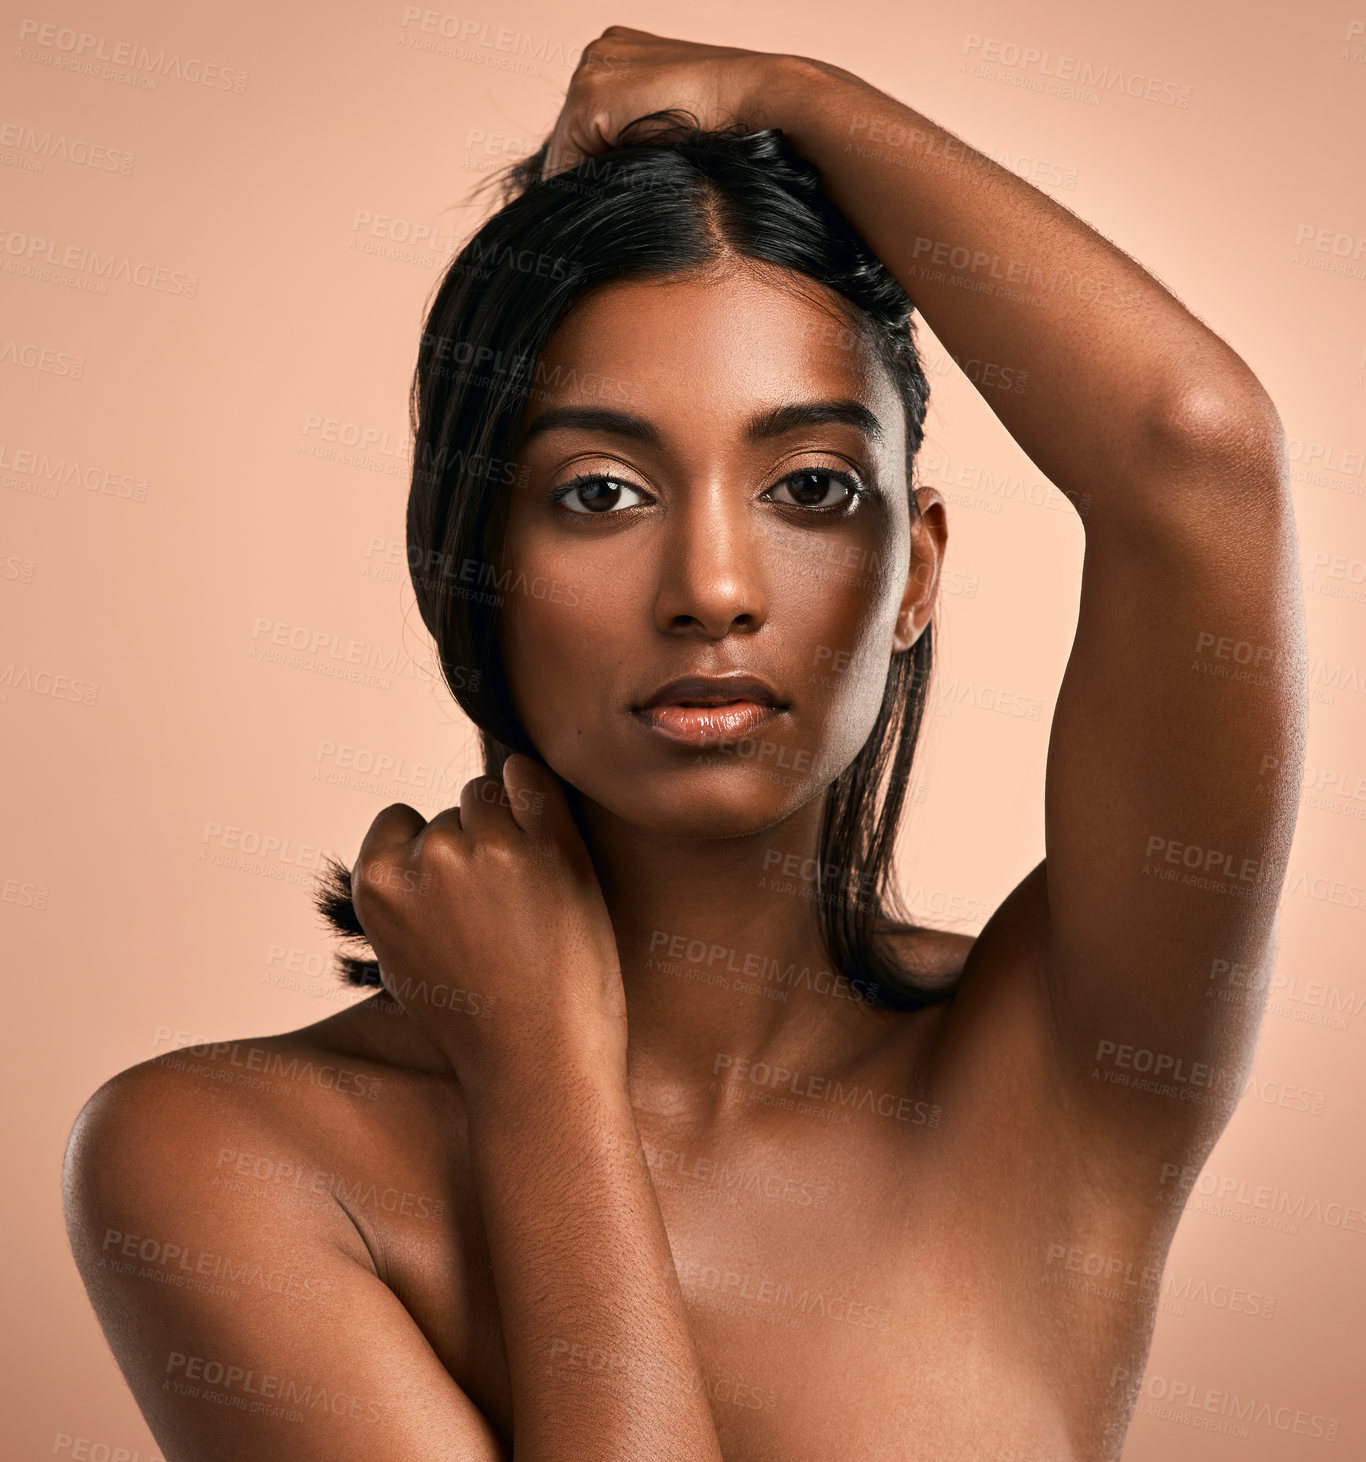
663	1139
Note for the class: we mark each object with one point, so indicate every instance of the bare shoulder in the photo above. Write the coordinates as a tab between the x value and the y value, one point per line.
999	1060
132	1127
227	1207
162	1138
994	1046
937	955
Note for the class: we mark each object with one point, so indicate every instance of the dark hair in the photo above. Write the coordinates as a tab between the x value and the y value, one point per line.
669	199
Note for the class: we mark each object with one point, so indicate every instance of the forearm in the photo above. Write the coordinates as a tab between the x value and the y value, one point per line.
601	1361
1015	286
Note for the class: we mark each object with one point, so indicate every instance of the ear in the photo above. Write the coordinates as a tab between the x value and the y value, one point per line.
929	538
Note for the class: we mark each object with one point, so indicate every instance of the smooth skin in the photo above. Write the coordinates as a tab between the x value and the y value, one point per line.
527	1213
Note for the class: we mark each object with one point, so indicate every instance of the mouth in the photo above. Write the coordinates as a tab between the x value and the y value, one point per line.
705	710
699	691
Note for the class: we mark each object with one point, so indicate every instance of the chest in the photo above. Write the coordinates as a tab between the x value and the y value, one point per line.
839	1299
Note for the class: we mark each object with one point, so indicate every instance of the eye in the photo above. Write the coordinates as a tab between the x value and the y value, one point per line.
810	485
597	489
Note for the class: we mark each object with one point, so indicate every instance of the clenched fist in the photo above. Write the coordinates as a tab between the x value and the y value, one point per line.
628	73
490	928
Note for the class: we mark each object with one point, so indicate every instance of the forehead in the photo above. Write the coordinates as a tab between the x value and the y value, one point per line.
722	345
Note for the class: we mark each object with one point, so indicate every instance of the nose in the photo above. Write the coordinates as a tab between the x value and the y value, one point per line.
710	570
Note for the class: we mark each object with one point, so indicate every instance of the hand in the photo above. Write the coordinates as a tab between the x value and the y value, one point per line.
490	928
626	74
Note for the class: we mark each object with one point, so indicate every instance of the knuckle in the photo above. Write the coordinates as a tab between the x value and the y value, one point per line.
373	884
396	811
495	854
439	848
368	865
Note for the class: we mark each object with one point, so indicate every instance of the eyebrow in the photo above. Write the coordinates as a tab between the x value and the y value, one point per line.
777	421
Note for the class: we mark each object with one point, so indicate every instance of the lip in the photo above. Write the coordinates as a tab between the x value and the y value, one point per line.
706	725
704	710
713	690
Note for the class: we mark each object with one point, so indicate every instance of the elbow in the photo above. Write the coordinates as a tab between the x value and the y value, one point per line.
1210	469
1228	431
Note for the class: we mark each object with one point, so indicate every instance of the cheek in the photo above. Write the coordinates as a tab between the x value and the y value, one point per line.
841	596
856	574
841	621
844	686
560	642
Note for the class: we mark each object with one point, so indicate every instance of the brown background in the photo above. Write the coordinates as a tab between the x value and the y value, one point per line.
193	500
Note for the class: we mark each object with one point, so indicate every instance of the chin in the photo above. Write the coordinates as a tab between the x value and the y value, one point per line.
725	801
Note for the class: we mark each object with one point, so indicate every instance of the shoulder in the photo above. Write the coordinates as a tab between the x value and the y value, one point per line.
933	961
156	1141
184	1092
211	1222
934	955
135	1134
1000	1063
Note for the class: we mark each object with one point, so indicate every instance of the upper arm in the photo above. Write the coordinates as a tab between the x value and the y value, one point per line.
245	1326
1174	766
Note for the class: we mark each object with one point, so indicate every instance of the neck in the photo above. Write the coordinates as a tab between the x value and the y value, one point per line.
720	948
722	961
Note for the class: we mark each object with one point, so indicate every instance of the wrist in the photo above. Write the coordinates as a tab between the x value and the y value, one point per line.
792	93
505	1079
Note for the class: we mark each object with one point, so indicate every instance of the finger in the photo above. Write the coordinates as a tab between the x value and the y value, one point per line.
447	823
582	130
391	830
538	803
566	151
485	805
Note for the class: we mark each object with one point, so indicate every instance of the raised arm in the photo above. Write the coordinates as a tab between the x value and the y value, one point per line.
1176	747
1174	762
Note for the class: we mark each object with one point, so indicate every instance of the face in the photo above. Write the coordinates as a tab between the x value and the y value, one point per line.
698	517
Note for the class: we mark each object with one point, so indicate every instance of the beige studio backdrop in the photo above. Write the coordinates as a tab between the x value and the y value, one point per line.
202	458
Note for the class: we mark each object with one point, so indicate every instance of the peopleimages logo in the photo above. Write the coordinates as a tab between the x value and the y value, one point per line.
1194	1403
1072	77
177	1261
297	1396
48	145
1261	1204
26	252
67	49
827	1089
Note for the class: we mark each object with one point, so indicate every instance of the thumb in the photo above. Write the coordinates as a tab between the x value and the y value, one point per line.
538	802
